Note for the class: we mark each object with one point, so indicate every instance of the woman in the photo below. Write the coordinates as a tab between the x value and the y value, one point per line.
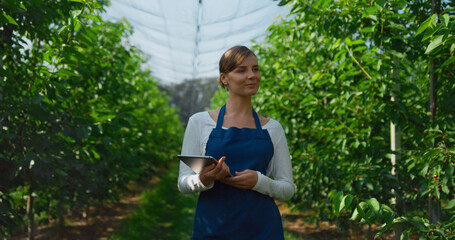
249	147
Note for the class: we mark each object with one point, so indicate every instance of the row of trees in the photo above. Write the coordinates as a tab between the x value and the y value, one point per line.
366	93
79	118
191	96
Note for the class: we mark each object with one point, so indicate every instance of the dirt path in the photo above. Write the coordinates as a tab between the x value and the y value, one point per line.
98	223
296	223
101	221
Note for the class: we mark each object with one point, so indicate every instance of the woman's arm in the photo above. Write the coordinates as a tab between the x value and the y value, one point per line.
189	181
281	187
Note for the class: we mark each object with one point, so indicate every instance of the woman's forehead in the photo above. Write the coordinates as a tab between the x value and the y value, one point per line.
248	60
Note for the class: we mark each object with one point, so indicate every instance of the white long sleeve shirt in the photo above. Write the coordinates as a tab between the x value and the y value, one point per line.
197	133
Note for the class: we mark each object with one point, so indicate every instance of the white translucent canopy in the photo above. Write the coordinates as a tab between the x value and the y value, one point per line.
186	38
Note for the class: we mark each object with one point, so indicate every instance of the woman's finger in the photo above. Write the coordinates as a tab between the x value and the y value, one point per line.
245	180
208	168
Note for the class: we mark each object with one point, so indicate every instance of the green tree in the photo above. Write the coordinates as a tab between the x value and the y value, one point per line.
329	72
79	118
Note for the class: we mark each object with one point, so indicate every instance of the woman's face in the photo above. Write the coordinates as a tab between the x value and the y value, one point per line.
244	80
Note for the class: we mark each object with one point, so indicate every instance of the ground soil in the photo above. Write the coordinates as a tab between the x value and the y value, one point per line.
100	221
299	224
97	223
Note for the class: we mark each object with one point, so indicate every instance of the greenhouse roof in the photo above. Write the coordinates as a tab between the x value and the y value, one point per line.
185	38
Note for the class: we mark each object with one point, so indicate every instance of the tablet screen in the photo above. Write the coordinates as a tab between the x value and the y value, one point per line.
197	163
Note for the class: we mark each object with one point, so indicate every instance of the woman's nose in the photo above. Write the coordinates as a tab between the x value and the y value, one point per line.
251	73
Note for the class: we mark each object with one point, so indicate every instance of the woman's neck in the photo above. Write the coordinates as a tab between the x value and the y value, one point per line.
239	106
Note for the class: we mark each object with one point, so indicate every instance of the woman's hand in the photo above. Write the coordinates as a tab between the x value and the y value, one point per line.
244	180
214	172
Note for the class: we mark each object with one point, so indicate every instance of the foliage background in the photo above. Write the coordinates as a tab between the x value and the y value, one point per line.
336	75
79	118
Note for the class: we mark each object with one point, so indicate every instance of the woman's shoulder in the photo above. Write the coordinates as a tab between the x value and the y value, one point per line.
214	114
271	123
199	115
201	118
275	130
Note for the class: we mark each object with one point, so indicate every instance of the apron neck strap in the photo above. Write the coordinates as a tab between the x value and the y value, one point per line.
219	122
256	120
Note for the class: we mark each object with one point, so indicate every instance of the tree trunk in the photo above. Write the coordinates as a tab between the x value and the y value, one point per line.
30	216
61	213
433	96
395	145
434	207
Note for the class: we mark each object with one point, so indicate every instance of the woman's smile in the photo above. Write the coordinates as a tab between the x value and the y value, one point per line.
251	85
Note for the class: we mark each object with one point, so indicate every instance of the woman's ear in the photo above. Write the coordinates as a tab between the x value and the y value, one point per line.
223	79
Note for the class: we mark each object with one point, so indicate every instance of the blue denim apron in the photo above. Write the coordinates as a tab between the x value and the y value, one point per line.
225	212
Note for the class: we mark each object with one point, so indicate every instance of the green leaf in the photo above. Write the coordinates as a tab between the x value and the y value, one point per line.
75	13
93	17
326	3
10	19
430	21
400	220
358	41
349	42
102	117
65	73
315	77
337	201
430	32
361	209
77	25
68	139
374	204
95	154
436	192
405	234
397	26
386	226
346	202
448	61
62	29
450	204
445	19
424	170
22	6
434	44
355	215
419	223
368	29
381	3
370	10
373	17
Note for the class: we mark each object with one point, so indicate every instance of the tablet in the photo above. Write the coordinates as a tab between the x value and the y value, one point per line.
197	163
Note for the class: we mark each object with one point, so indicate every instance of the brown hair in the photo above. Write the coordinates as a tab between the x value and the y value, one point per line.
232	58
